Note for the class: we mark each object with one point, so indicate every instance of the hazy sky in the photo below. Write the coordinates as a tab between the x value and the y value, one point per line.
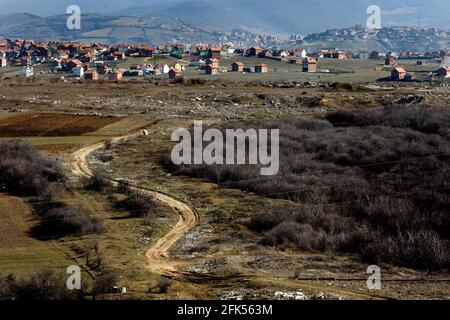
317	14
54	7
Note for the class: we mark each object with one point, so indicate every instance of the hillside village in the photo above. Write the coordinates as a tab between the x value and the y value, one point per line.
97	61
87	176
392	38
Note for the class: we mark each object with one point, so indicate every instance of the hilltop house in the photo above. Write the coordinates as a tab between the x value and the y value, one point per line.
335	54
253	51
146	52
211	69
177	67
201	51
261	68
398	74
78	72
178	51
91	75
265	54
237	66
295	60
75	63
227	49
212	62
165	69
310	65
390	61
215	53
444	72
119	55
300	52
174	73
116	75
102	68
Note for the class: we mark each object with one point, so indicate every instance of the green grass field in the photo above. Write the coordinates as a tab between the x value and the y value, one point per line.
351	70
19	252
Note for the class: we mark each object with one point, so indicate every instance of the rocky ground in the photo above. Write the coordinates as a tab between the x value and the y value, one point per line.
227	271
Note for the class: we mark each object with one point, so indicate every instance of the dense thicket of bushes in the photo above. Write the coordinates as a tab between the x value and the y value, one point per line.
97	182
137	203
42	285
24	170
58	220
375	183
49	285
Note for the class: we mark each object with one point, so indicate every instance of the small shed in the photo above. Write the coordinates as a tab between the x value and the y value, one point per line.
309	65
237	66
78	72
261	68
174	73
398	74
91	75
210	69
444	72
116	76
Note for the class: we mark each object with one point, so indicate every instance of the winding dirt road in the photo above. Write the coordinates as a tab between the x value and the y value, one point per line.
158	255
158	259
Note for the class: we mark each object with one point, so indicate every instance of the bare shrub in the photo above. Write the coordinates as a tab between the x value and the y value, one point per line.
109	144
163	285
93	256
42	285
371	182
58	220
423	119
139	204
98	182
301	236
424	249
105	282
267	221
194	81
25	171
177	80
105	157
123	187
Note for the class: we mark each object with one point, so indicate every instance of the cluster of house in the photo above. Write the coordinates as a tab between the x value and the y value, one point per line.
208	59
399	73
424	56
86	61
90	61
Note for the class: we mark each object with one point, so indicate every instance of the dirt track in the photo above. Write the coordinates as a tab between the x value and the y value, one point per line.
158	259
158	255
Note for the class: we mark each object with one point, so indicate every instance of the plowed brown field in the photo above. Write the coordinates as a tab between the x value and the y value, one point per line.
51	125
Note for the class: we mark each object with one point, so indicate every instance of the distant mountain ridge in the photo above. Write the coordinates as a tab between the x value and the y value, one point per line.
207	21
102	28
259	16
297	16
